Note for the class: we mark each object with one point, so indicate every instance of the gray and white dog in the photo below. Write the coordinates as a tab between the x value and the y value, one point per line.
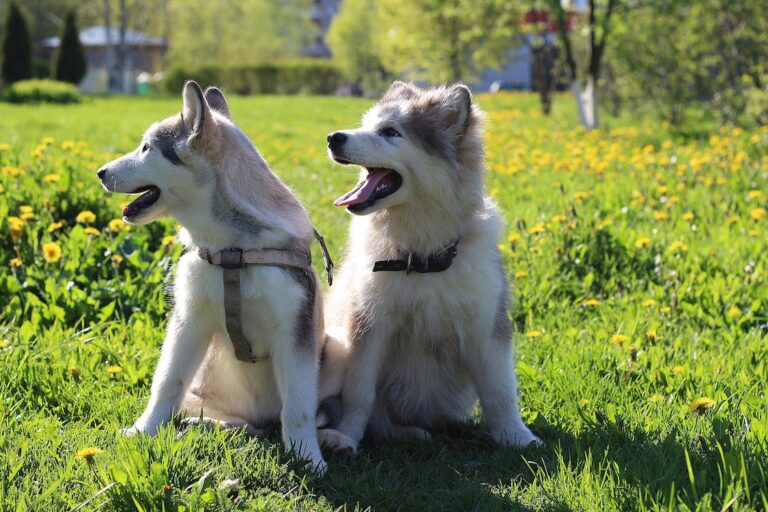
201	169
421	298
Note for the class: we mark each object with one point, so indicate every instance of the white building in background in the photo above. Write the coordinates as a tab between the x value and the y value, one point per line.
143	54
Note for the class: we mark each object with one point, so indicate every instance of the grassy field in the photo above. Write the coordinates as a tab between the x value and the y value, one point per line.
639	263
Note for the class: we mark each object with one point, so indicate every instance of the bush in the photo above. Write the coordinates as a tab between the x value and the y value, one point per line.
285	77
71	64
41	91
17	48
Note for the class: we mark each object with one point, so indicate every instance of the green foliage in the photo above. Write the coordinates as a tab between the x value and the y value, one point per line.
445	40
71	64
307	76
17	48
40	91
241	33
355	40
632	230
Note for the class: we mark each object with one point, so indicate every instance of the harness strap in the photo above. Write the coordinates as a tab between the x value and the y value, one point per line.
233	259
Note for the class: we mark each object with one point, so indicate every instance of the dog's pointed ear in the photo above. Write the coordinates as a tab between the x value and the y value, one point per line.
456	109
217	102
195	110
400	91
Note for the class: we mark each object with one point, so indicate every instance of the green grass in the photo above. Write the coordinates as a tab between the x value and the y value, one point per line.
617	336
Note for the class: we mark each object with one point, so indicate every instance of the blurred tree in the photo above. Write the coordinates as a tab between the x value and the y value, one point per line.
17	48
70	64
238	32
445	40
597	27
355	43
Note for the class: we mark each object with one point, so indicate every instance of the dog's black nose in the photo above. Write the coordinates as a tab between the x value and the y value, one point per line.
101	173
336	139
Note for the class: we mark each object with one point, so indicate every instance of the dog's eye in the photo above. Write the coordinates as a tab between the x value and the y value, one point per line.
145	148
390	132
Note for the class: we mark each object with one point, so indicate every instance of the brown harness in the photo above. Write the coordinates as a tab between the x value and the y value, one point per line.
233	259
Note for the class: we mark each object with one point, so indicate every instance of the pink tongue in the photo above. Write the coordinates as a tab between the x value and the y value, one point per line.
363	190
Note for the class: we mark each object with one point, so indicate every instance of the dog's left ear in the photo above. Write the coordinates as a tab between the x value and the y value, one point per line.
456	109
217	101
195	110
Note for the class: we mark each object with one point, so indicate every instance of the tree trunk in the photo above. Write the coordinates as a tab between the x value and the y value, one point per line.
109	54
586	102
121	48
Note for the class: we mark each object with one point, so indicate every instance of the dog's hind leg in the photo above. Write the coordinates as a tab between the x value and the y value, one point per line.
381	427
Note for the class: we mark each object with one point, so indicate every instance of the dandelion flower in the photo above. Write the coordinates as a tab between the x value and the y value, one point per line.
655	398
87	454
618	339
92	231
51	252
678	369
700	405
55	226
68	145
733	219
48	140
117	225
649	303
758	214
12	171
754	194
660	215
52	178
168	240
559	218
4	343
583	402
15	262
733	312
643	242
537	229
521	273
665	310
5	147
688	216
533	334
114	369
677	247
591	303
86	217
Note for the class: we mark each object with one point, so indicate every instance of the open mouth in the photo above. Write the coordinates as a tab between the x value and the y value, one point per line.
378	184
149	196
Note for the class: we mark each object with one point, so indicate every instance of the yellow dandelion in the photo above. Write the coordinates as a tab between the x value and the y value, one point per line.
651	335
27	215
583	402
52	178
533	334
591	303
678	369
559	219
665	310
25	208
48	140
733	312
87	454
578	196
2	188
51	252
521	273
168	240
754	194
514	237
688	216
618	339
17	226
655	398
55	226
660	215
92	231
700	405
86	217
15	262
4	343
649	303
643	242
677	247
537	229
13	172
68	145
117	225
114	369
758	214
754	233
733	219
5	147
116	259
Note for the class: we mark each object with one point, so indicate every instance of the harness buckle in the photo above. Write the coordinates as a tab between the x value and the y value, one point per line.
232	258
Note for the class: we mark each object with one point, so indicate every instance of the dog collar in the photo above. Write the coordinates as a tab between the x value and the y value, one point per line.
435	262
233	259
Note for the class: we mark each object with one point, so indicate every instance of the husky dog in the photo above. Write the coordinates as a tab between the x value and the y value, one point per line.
421	297
201	169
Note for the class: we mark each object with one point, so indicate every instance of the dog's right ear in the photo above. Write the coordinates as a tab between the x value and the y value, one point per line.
195	110
400	91
217	101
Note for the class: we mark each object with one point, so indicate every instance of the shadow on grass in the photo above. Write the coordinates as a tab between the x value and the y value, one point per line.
462	470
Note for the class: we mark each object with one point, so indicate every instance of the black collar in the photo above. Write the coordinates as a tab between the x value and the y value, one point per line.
435	262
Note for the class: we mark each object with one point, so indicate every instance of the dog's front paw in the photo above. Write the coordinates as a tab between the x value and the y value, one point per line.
337	441
519	436
139	428
130	431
